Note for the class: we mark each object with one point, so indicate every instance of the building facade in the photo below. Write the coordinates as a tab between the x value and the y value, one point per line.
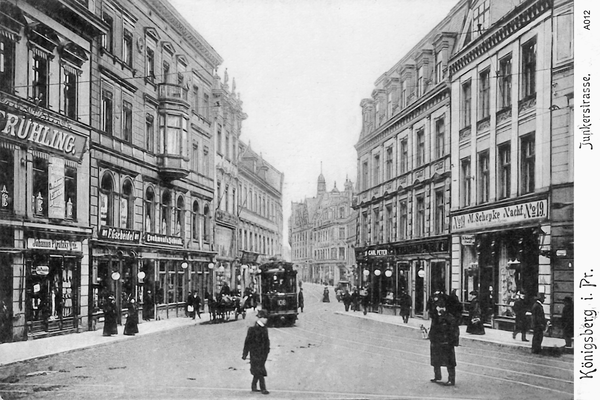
154	102
260	203
319	234
512	145
404	174
45	129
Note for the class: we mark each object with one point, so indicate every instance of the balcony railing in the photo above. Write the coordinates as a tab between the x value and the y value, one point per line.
171	91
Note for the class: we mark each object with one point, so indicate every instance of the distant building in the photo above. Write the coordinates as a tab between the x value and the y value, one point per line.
260	204
319	234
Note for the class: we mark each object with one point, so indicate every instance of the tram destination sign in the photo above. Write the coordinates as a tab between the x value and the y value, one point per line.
530	211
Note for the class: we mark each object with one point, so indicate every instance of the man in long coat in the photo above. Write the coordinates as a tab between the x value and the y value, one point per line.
520	310
538	320
257	345
443	337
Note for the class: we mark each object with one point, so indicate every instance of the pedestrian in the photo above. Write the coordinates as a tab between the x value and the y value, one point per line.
443	338
520	310
326	295
131	323
346	299
475	324
538	319
567	320
110	316
257	345
225	290
189	305
301	300
355	297
196	304
364	296
455	307
405	305
148	309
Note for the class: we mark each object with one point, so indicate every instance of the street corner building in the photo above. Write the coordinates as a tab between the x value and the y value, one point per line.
465	162
119	151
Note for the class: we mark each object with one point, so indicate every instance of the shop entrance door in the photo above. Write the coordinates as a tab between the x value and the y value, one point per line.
6	279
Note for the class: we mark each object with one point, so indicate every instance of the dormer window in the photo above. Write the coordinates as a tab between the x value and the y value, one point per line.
481	18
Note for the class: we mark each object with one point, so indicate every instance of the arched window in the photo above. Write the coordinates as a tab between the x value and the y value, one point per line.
149	204
196	221
180	217
126	206
165	213
106	200
206	225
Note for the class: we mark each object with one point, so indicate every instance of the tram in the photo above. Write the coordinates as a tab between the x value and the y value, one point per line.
278	290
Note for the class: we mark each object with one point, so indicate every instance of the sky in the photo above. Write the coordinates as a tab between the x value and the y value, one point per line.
302	68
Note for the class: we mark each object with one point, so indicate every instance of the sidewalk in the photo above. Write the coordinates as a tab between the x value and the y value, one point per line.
21	351
492	336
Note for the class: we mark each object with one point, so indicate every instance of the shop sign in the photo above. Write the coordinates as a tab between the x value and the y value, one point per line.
42	270
518	213
49	244
382	252
163	239
467	240
119	234
32	131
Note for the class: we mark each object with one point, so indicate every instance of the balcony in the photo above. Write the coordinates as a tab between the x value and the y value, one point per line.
172	166
173	97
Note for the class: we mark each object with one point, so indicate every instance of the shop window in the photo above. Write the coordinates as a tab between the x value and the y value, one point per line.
180	217
127	121
165	213
528	164
420	216
484	94
465	170
71	193
106	117
150	133
126	210
7	64
128	48
528	65
164	292
504	170
484	177
505	82
40	80
420	147
402	220
465	111
107	39
149	206
440	212
7	179
129	281
440	138
106	200
40	187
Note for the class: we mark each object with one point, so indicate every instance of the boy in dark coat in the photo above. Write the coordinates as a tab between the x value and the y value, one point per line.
257	345
443	337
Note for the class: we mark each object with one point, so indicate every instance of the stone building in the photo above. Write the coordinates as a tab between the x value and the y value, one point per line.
318	234
46	52
260	203
404	174
155	107
512	144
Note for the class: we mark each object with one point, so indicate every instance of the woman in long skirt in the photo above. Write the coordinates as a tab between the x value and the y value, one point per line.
475	325
131	323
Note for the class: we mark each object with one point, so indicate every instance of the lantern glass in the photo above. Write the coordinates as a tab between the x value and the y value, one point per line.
388	273
377	272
